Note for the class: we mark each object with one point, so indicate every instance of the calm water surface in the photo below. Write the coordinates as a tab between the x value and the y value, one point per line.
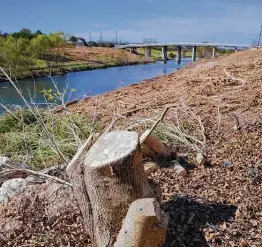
85	83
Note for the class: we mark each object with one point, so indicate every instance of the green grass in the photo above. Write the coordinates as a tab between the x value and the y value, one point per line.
156	53
25	141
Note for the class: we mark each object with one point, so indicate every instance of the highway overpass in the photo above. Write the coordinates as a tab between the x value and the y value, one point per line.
179	45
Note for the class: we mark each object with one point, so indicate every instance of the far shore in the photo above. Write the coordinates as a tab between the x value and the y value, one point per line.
78	68
82	67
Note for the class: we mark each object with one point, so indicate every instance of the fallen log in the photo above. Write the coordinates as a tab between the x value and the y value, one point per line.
106	180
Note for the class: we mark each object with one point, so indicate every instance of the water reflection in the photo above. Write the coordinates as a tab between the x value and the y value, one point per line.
164	71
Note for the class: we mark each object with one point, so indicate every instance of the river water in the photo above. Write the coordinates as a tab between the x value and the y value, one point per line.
85	83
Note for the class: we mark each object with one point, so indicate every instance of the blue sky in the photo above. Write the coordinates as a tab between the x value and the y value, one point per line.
230	21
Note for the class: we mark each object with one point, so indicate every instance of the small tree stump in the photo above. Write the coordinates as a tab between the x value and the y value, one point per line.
144	226
106	180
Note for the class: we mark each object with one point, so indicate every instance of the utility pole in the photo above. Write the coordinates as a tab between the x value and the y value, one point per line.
259	36
116	37
101	38
90	39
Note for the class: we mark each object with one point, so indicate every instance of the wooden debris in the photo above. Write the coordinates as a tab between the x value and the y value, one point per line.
145	225
200	158
155	144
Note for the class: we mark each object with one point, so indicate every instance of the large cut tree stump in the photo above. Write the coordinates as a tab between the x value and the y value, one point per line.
106	180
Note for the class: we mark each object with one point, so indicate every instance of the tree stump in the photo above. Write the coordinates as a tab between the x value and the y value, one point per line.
106	180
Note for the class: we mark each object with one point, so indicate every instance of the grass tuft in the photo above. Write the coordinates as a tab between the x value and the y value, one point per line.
23	139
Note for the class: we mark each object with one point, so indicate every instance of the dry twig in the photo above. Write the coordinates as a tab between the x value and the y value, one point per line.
148	133
41	174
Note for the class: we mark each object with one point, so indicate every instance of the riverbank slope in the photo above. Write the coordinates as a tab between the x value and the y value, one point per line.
218	204
84	58
217	106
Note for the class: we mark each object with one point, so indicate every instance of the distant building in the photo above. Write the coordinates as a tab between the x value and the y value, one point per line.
70	42
79	43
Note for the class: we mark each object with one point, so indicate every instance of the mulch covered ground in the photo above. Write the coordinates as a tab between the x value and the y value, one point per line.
217	204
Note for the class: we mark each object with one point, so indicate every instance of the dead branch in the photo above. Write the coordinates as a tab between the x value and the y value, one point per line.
111	125
234	78
30	172
132	111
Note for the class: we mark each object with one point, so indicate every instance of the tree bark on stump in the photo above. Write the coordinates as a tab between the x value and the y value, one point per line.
106	180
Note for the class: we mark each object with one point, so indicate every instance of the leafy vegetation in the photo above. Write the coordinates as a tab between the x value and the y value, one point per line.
22	137
20	54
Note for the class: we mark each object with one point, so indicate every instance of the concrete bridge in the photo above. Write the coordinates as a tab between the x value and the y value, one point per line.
148	46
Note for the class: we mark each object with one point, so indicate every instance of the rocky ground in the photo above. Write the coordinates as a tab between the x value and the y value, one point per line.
219	102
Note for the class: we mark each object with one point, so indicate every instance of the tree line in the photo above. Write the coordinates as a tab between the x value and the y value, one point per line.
23	33
23	52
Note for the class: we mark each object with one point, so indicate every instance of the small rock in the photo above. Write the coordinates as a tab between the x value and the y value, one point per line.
150	167
12	187
131	107
200	158
180	170
226	164
3	159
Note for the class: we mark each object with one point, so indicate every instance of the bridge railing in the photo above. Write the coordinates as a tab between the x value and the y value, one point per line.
187	44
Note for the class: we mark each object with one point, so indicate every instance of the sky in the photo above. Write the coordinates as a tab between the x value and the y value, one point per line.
226	21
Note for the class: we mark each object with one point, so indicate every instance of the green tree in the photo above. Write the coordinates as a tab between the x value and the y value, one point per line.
171	55
16	56
20	56
23	33
38	32
50	48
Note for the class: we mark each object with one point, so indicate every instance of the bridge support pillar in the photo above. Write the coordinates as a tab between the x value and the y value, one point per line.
214	52
133	50
194	53
164	53
148	53
235	49
178	54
